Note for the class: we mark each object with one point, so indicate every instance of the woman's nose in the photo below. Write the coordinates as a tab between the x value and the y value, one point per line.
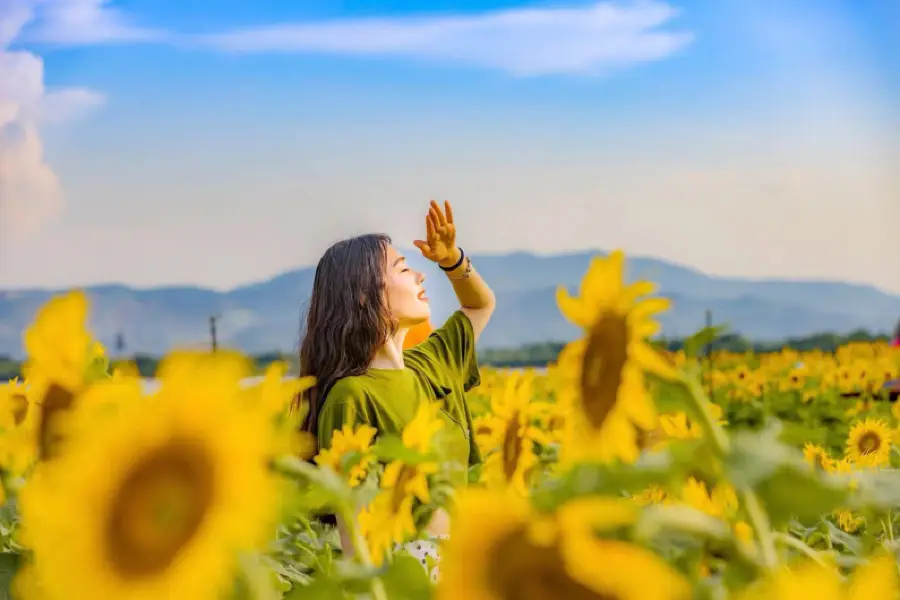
421	277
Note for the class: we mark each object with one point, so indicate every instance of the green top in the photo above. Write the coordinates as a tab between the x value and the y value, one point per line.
440	369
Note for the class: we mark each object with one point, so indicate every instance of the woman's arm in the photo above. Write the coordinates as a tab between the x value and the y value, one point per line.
475	297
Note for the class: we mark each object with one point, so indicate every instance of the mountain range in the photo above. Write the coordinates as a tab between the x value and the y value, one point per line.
266	316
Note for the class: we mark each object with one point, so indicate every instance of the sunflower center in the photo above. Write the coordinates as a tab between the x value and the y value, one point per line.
158	508
513	445
869	442
605	357
56	399
520	570
404	477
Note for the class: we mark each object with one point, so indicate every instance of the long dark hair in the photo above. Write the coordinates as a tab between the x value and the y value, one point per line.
347	318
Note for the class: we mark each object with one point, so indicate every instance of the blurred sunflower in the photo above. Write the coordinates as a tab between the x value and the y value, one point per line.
817	456
499	549
345	442
58	345
876	579
604	371
513	431
158	501
62	358
19	419
388	519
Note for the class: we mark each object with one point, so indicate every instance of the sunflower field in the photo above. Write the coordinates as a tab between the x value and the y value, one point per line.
621	472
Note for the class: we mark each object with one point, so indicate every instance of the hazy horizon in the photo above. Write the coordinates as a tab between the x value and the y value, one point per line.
154	143
574	252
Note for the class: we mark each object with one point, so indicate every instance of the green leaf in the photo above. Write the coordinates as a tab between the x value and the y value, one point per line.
669	396
590	479
787	486
407	578
9	566
877	490
97	369
255	581
321	588
796	491
390	448
320	486
840	537
705	336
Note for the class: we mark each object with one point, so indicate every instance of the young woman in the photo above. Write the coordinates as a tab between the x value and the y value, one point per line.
365	300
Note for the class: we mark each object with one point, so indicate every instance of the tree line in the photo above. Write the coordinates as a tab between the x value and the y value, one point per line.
531	355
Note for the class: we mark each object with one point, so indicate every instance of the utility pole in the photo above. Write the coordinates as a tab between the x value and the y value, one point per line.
212	334
709	324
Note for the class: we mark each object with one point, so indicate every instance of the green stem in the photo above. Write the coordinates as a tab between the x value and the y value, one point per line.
304	471
759	520
700	405
799	545
887	526
361	549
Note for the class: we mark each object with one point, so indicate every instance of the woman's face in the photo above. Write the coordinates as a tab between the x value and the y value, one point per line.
404	291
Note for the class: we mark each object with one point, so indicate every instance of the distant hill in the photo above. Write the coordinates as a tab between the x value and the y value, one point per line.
265	316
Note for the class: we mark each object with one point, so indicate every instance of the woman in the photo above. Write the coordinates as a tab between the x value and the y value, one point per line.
365	300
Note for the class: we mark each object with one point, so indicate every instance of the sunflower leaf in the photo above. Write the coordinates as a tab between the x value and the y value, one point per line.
784	482
406	578
704	337
876	490
9	565
390	448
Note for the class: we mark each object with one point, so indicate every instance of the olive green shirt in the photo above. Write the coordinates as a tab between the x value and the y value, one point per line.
440	369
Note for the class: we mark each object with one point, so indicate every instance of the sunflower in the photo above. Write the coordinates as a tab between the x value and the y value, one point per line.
500	549
721	502
62	358
605	370
513	433
388	519
58	344
19	419
875	579
848	521
817	456
274	393
869	443
158	501
652	495
345	442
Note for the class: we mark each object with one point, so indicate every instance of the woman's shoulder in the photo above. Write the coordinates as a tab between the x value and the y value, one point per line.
352	388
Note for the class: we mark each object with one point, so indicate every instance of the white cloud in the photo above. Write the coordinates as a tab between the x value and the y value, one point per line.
30	193
78	22
588	40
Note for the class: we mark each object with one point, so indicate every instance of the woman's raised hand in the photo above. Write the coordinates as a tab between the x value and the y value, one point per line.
439	244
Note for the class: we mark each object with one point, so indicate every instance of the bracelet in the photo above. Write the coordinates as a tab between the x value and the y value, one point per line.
467	272
462	257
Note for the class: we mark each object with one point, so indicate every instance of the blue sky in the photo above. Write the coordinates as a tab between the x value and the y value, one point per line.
222	142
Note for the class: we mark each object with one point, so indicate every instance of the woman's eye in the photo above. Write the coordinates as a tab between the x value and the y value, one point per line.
404	270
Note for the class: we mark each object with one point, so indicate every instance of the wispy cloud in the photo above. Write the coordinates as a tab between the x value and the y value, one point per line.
589	40
30	193
81	22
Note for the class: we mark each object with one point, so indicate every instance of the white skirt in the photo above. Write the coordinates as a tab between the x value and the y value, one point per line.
423	550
